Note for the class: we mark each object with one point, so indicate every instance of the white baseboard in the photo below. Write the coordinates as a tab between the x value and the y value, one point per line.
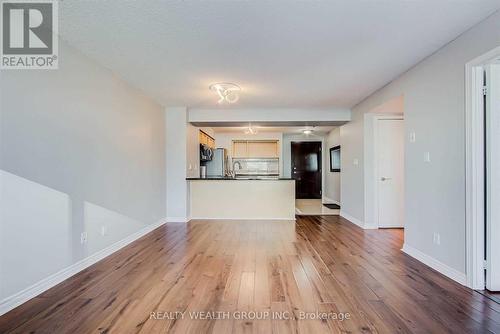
239	218
177	219
34	290
350	218
370	227
327	200
444	269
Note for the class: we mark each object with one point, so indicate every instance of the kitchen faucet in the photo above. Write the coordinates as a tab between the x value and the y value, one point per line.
234	166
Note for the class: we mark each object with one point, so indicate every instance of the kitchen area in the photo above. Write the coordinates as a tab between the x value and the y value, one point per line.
240	177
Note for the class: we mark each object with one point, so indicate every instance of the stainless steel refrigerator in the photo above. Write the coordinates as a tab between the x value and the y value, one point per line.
218	165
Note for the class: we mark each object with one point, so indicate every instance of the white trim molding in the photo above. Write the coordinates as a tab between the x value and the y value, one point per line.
355	221
34	290
474	169
177	219
439	266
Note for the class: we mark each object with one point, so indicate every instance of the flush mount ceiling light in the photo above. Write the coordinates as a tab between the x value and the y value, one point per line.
228	92
307	131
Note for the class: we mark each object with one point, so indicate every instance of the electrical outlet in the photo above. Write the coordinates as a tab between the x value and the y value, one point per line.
437	239
83	238
104	230
413	137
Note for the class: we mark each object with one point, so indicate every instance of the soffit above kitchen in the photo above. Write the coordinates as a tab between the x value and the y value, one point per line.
283	54
273	129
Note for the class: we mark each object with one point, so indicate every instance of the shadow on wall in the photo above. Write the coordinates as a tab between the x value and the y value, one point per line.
105	227
39	235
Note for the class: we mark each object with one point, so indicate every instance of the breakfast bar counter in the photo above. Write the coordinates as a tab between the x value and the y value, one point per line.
242	198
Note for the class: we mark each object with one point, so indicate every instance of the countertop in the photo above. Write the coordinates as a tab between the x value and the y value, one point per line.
228	178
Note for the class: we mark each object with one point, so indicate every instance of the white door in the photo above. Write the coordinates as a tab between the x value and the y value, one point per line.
390	172
493	178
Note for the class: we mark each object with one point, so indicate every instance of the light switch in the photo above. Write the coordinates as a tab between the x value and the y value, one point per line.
412	137
355	162
427	157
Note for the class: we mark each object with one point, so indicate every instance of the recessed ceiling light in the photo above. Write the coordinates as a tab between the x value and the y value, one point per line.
228	92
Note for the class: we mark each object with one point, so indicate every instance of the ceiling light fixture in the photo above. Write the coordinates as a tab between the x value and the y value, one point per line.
307	131
228	92
250	131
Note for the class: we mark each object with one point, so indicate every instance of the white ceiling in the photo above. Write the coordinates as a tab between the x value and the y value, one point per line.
282	53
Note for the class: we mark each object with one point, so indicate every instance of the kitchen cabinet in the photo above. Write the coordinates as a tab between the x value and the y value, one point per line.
239	149
255	149
206	139
262	149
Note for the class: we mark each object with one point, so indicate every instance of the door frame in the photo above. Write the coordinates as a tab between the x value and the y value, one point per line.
371	144
474	169
322	157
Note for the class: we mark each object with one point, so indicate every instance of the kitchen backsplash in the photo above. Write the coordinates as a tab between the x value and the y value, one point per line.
256	166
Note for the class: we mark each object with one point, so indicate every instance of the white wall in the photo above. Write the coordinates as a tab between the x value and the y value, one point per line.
182	160
332	179
178	143
79	150
434	108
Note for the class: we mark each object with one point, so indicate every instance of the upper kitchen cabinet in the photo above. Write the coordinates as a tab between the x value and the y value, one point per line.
262	149
206	139
240	149
255	149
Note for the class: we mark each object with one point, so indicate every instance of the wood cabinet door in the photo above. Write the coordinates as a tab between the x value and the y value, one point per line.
203	138
240	149
262	149
206	139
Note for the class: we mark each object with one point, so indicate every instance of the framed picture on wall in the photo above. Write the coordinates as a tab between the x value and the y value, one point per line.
335	159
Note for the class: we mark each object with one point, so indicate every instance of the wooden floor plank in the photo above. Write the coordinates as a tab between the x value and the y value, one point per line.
242	271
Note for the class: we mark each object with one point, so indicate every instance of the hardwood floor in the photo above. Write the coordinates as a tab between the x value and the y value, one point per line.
318	264
493	295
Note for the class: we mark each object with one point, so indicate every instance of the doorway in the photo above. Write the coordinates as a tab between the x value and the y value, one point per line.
492	175
389	160
384	142
306	169
483	173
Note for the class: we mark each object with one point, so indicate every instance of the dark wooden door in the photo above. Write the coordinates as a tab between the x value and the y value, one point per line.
306	169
